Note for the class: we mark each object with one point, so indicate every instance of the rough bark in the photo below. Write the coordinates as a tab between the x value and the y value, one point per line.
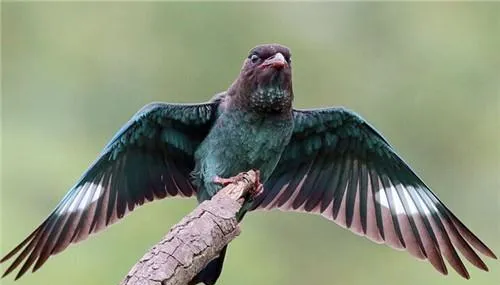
195	240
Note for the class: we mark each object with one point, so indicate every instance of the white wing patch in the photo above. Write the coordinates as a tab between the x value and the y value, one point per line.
84	197
381	197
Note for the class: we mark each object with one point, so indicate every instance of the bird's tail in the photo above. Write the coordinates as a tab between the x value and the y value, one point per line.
211	272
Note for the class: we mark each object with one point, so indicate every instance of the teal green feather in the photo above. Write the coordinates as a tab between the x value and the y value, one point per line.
326	161
240	141
340	167
150	157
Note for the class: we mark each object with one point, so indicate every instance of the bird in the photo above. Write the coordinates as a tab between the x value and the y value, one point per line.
325	161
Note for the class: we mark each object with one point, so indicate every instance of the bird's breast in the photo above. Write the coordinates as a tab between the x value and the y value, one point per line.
241	141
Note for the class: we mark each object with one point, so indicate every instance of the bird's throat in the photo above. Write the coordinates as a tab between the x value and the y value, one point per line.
270	99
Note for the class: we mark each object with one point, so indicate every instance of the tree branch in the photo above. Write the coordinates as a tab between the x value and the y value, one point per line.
195	240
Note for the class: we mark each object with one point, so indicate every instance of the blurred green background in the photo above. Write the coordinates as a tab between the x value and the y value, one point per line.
426	75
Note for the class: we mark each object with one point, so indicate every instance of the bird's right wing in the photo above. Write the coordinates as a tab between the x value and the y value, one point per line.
149	158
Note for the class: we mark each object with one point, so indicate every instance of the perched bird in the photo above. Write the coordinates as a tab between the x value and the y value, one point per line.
324	161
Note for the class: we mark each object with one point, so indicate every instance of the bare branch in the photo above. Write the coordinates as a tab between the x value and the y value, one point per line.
195	240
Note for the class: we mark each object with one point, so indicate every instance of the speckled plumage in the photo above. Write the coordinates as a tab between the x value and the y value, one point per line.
326	161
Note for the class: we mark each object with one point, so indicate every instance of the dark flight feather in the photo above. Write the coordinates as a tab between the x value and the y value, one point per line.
151	157
331	162
340	167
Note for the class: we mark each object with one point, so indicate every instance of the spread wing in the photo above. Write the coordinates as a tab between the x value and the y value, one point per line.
340	167
149	158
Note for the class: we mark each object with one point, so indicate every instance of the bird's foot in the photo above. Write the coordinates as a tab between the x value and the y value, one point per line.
226	181
259	187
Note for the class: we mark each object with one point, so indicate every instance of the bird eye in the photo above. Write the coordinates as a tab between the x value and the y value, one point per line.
254	58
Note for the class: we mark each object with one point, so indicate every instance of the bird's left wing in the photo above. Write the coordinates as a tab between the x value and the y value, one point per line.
149	158
340	167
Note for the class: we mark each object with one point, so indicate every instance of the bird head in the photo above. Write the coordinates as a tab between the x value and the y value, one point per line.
265	80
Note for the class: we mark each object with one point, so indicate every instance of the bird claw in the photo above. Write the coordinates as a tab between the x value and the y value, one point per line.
258	189
226	181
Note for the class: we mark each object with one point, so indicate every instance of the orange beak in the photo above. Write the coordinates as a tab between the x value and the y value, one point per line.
277	61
